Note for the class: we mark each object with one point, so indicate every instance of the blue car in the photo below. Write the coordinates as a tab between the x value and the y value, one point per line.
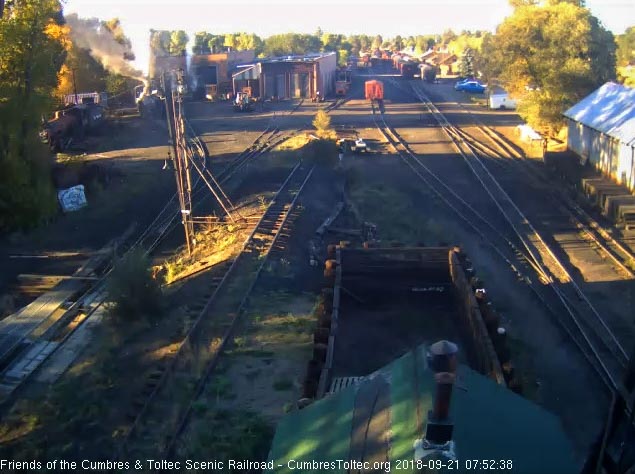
473	87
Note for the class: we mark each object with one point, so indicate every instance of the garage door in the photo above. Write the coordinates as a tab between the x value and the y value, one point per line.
280	89
300	86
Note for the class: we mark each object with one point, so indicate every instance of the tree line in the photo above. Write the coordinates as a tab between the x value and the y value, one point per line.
551	54
165	43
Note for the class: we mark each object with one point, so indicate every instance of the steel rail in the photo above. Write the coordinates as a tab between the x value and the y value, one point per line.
564	300
618	253
191	331
182	424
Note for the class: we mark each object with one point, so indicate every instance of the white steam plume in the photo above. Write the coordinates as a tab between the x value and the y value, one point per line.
91	35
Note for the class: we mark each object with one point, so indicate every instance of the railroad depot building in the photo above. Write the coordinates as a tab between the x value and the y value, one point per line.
289	77
601	131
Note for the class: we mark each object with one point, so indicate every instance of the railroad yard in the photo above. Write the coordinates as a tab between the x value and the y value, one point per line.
228	358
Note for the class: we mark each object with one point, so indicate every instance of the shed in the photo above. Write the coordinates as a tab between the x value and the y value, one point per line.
212	73
601	130
379	418
298	76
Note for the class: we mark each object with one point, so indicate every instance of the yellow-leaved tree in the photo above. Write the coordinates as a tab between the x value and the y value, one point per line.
549	55
32	51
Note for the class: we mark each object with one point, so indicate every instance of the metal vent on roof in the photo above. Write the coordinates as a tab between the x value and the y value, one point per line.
340	383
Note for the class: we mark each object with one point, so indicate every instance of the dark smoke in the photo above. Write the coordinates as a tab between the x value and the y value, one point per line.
91	35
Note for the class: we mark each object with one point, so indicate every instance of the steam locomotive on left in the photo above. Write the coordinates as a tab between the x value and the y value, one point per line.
71	123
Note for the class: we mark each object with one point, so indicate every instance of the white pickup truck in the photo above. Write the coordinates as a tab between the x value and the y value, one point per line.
359	146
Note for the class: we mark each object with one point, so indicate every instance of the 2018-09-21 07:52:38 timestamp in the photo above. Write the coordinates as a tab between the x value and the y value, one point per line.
456	464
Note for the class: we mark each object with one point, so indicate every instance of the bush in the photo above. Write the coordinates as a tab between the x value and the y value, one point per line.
321	151
132	292
322	124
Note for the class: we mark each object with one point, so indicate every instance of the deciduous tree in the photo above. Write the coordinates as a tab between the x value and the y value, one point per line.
168	43
549	56
377	42
32	40
178	42
626	47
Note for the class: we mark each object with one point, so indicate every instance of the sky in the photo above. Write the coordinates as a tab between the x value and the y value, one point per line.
403	17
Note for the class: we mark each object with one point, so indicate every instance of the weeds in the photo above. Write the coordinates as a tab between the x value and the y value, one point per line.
322	124
231	435
322	151
294	143
262	202
282	385
132	292
221	387
215	243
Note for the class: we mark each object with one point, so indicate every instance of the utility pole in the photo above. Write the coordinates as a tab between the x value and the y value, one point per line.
185	159
74	85
174	120
182	160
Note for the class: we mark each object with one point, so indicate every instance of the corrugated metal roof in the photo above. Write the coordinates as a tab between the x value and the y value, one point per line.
386	412
610	110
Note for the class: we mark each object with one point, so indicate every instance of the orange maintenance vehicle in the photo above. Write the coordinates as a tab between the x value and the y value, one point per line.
374	90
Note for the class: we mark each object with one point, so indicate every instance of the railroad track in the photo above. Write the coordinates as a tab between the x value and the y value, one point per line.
338	103
585	325
610	248
488	231
185	369
91	299
167	219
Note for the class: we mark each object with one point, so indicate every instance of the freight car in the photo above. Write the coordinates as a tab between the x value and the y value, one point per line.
343	81
374	90
408	69
71	123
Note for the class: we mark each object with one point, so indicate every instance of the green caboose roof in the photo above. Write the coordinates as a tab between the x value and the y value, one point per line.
380	418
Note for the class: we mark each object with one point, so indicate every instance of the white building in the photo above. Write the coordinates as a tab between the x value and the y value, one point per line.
601	130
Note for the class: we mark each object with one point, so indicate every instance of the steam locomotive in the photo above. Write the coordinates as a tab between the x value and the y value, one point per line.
71	123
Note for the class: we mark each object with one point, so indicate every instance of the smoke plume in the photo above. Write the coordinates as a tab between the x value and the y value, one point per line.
90	34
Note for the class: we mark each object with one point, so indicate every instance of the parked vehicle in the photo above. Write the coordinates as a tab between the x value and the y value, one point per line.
243	103
473	87
463	80
357	145
428	73
408	69
502	102
374	90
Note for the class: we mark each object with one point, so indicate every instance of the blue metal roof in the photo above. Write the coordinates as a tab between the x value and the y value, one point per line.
610	110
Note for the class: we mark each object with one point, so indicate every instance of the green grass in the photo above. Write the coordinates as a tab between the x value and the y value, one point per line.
230	434
220	387
282	384
396	215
